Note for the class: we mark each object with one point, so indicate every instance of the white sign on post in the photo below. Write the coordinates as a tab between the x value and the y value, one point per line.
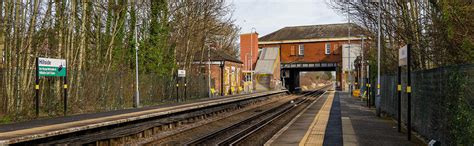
181	73
51	67
402	56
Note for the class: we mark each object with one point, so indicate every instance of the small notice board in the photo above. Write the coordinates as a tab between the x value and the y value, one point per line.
402	56
181	73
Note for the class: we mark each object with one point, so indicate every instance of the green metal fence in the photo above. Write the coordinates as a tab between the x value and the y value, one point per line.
442	103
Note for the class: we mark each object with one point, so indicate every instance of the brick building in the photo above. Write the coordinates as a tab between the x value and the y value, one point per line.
226	72
249	50
248	55
313	48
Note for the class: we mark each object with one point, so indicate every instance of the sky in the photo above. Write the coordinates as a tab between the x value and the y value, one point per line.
267	16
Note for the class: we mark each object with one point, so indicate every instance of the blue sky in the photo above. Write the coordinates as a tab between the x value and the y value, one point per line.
270	15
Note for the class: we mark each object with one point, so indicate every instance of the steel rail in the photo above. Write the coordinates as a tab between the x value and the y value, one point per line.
251	130
270	115
256	127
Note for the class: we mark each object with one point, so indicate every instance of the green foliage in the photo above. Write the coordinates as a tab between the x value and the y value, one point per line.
455	24
460	116
156	55
5	119
120	51
468	46
328	75
98	40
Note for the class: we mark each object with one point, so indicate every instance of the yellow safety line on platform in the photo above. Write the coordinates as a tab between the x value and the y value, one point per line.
315	134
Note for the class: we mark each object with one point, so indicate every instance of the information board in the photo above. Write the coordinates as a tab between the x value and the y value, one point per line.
51	67
402	56
181	73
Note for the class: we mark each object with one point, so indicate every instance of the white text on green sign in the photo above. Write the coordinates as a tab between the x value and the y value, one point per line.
51	67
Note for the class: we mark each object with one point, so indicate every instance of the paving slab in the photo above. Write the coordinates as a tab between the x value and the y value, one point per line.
361	126
350	123
333	136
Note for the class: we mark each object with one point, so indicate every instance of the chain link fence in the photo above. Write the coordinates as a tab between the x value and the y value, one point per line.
91	91
442	103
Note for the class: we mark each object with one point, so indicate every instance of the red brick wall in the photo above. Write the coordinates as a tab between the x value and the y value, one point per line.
313	52
248	41
216	76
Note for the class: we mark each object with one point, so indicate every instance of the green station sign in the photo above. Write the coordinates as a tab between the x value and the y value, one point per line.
51	67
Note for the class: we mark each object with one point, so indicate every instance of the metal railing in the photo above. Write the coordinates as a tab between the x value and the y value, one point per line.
442	102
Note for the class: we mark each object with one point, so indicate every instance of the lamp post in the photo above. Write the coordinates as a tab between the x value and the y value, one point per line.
209	69
378	48
251	57
349	49
361	80
137	96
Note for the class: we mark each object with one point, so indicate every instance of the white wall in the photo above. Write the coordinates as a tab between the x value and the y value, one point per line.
354	50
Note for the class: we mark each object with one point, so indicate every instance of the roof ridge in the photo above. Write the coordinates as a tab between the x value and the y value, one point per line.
333	30
318	25
225	55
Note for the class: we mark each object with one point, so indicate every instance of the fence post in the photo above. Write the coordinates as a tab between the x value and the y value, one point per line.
185	86
409	91
369	92
37	89
177	89
399	91
65	92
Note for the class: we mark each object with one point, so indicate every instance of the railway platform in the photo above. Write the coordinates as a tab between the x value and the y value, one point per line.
44	128
339	119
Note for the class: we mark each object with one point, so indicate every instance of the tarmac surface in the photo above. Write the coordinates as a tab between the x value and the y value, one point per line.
361	126
350	122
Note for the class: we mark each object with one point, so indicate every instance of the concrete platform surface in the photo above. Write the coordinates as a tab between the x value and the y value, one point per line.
296	130
36	129
349	122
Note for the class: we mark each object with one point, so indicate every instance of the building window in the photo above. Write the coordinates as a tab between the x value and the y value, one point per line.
301	50
335	48
292	51
328	49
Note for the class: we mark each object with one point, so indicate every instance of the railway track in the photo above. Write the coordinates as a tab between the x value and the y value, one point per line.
130	126
181	137
238	133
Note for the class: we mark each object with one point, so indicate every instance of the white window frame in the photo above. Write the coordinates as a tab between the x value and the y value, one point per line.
327	49
301	50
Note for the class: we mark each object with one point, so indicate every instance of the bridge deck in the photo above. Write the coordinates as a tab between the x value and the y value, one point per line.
36	129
